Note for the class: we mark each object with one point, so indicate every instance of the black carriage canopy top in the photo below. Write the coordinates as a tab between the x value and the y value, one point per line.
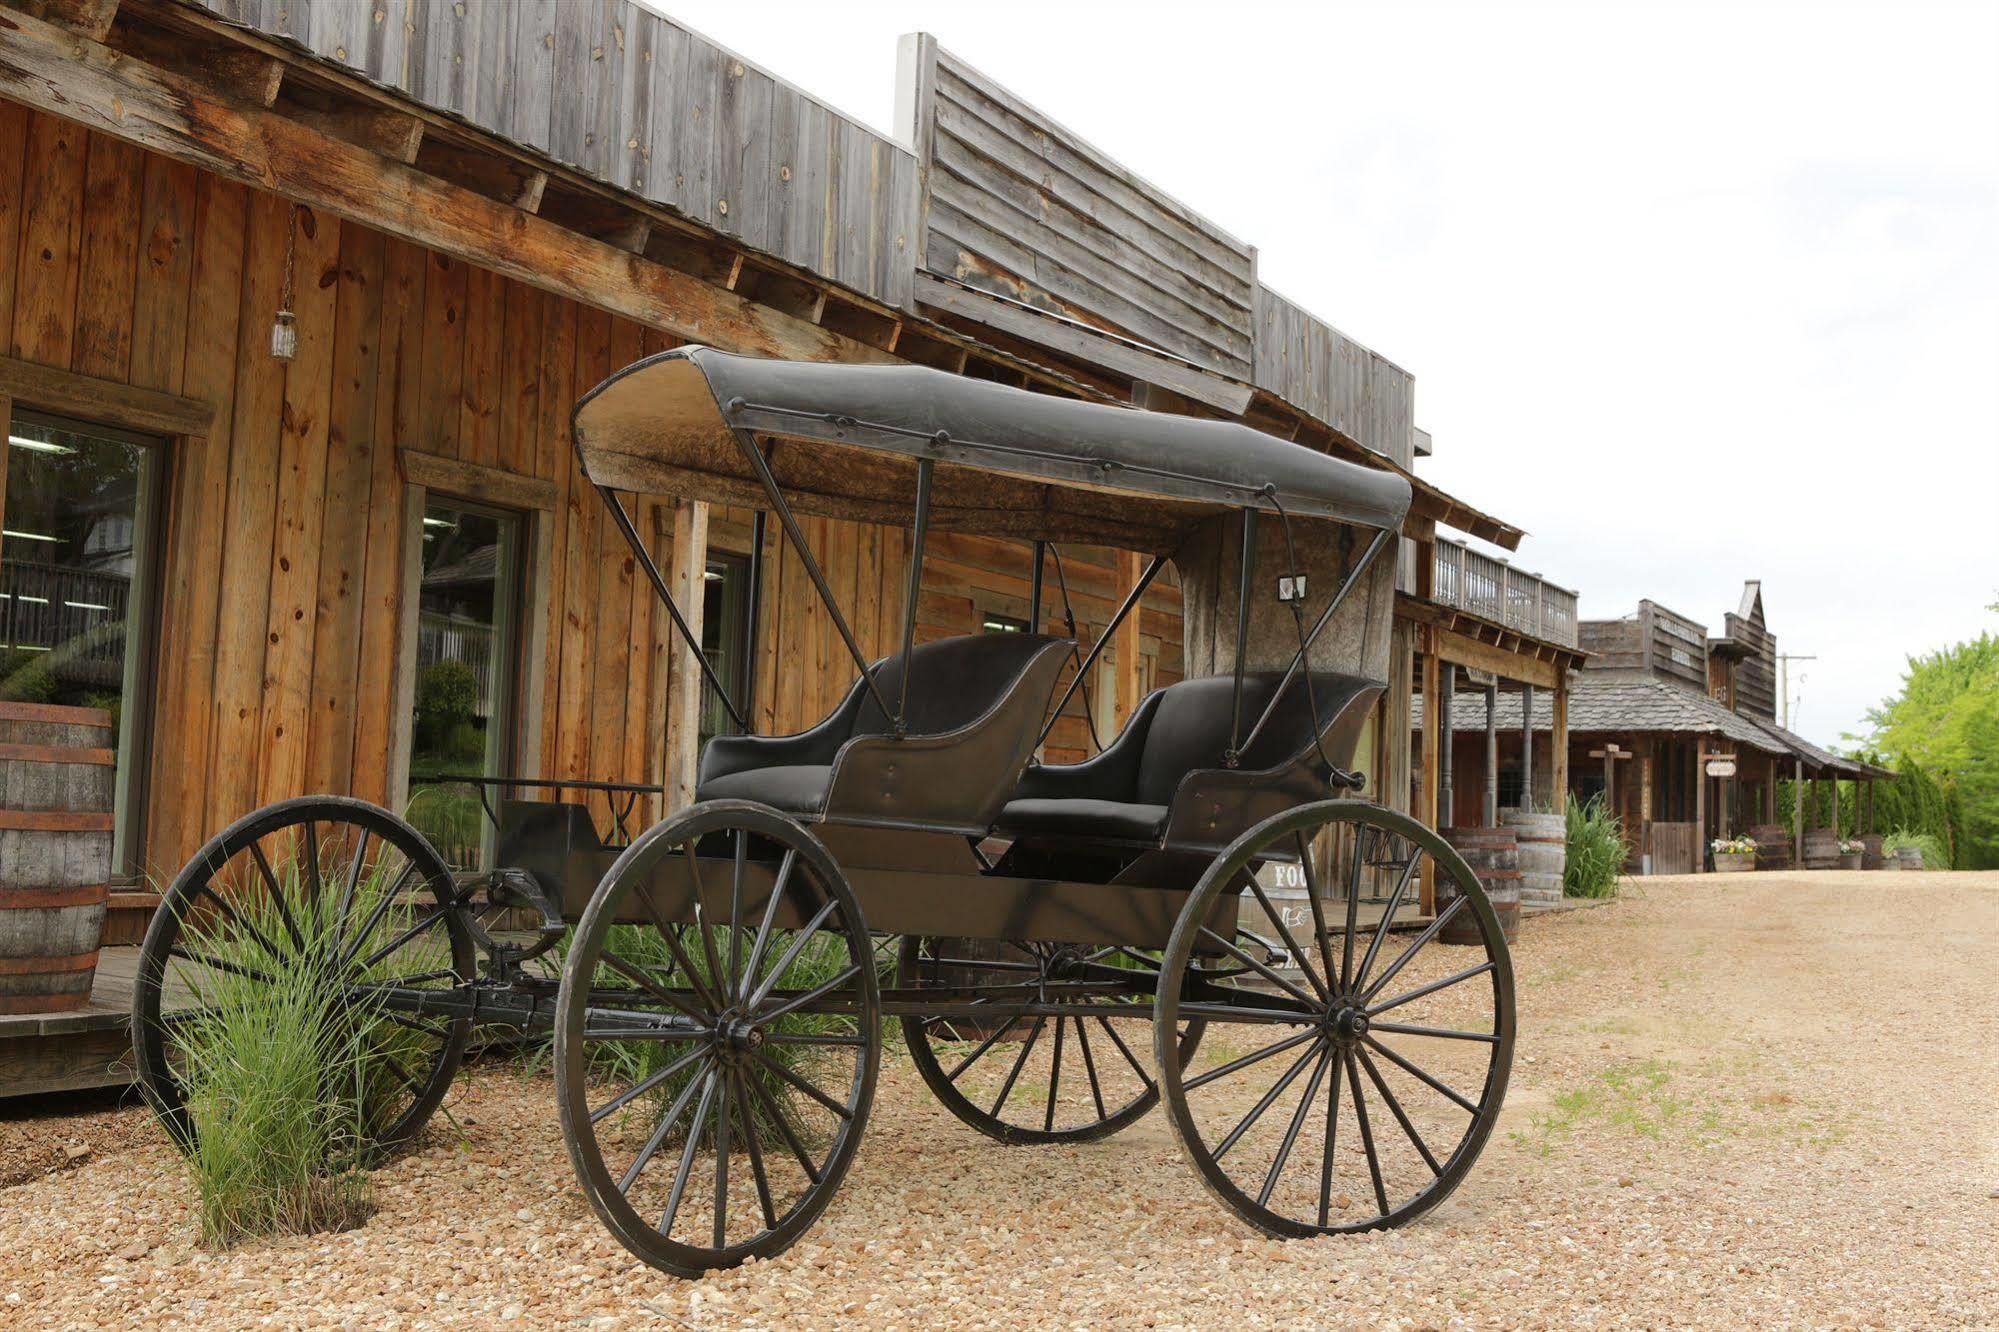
1010	462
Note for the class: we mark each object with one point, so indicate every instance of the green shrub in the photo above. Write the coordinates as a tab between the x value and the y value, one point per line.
1932	847
1596	851
285	1090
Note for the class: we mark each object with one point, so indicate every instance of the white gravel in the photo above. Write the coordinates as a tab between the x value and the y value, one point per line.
1738	1100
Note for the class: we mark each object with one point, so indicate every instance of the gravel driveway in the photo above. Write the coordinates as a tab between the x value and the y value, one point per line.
1759	1099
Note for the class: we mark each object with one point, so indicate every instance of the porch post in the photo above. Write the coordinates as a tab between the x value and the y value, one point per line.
683	671
1447	744
1835	806
1798	815
1427	798
1558	736
1700	809
1492	755
1527	748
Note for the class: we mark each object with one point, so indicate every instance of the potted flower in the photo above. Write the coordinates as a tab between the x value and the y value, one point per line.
1733	855
1851	849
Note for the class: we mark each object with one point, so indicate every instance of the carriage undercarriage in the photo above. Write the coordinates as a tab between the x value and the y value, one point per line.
1314	989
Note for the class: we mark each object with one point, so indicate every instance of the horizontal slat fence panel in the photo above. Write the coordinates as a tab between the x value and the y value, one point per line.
1315	367
635	100
1022	207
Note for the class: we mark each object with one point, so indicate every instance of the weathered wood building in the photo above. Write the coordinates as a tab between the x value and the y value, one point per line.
297	294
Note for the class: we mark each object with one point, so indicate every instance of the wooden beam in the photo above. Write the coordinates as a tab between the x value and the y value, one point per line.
489	485
1558	736
1469	652
90	17
1127	664
67	75
683	684
396	135
35	385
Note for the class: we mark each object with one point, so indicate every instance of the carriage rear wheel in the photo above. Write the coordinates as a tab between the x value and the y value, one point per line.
321	918
1355	1063
717	1037
1022	1077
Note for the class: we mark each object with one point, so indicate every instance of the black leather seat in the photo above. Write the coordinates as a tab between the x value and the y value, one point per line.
1163	780
975	708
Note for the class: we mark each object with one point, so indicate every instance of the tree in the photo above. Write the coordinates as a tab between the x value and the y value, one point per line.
1946	720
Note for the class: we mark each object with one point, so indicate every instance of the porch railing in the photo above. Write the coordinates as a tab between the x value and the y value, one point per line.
1495	590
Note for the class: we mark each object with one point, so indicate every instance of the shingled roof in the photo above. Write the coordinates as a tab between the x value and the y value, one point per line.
1599	704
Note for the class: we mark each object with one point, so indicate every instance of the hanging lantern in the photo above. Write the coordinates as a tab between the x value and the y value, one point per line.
284	329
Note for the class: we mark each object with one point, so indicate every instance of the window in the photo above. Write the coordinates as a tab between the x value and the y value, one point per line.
468	590
1003	624
725	606
1512	784
76	583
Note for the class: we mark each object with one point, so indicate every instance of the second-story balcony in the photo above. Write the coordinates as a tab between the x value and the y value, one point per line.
1494	590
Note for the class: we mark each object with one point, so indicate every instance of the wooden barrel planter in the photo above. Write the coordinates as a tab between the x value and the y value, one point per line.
1821	849
1494	855
57	780
1870	855
1544	854
1773	846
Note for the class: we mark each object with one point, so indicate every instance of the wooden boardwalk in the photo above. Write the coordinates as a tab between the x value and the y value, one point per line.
91	1047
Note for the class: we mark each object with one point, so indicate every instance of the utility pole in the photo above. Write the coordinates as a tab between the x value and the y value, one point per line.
1784	660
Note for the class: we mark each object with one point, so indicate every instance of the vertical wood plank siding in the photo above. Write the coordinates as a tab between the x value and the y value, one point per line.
287	522
1020	206
631	98
1313	366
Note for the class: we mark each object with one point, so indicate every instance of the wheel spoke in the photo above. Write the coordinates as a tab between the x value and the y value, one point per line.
1256	1056
1318	909
1363	836
1430	932
1026	1048
750	1136
1054	1077
638	976
783	877
1269	1099
1090	1067
670	935
1332	1143
984	1046
1284	933
784	1128
349	890
798	941
271	950
687	1151
1432	987
1421	1076
1401	1116
277	895
640	1088
1297	1123
736	938
1366	1135
1442	1033
817	992
1125	1050
1388	917
659	1134
723	1106
1259	968
795	1080
812	1038
186	954
312	885
717	981
381	908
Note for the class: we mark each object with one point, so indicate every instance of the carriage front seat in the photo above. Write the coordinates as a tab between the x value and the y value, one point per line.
976	705
1163	781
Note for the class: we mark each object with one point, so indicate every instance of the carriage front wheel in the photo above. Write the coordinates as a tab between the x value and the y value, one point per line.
717	1037
1356	1052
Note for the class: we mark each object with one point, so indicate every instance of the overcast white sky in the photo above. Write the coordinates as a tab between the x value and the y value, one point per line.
1692	293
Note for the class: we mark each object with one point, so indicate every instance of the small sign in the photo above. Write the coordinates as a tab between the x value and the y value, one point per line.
1721	767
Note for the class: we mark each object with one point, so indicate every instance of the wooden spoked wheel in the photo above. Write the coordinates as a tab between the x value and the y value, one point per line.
1355	1064
320	918
1021	1076
718	1034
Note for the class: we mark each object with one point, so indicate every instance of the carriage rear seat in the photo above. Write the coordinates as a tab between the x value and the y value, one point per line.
975	708
1170	756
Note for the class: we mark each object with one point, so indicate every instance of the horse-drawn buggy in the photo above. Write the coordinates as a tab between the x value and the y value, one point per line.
1204	915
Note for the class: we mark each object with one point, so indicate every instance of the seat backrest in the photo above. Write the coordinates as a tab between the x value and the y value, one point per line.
952	682
1190	726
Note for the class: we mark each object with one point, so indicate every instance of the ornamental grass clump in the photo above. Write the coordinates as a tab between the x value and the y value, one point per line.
1596	850
285	1088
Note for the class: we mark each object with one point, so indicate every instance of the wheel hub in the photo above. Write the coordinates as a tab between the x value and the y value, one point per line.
1349	1023
738	1036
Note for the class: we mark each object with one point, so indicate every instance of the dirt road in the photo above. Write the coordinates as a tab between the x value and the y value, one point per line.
1751	1100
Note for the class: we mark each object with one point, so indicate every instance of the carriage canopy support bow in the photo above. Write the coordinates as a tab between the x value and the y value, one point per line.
706	425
